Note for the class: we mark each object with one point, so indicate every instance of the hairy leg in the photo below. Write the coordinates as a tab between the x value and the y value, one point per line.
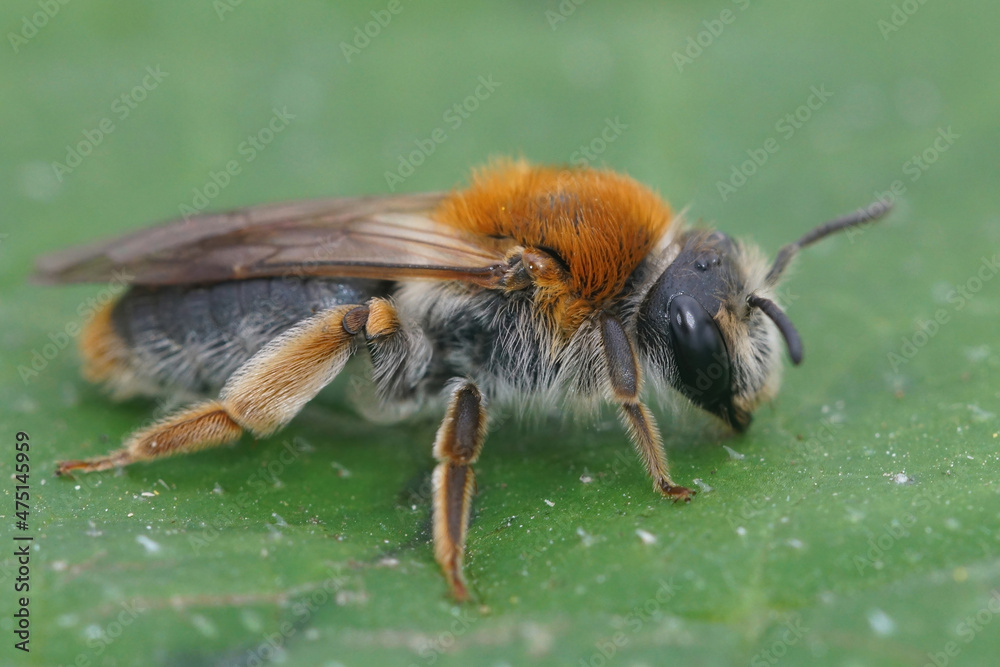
263	395
457	446
624	381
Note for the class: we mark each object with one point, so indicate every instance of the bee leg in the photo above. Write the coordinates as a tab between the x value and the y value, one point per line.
261	396
646	438
624	381
457	446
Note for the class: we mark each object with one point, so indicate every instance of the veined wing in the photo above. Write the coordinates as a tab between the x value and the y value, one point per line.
383	237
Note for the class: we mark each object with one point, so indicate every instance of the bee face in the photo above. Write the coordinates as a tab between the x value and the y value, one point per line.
698	332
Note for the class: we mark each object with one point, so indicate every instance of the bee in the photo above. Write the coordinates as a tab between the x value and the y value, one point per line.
532	287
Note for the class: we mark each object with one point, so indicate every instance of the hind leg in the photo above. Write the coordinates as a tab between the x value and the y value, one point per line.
264	394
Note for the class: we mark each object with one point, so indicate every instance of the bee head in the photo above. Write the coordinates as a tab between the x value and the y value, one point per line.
710	324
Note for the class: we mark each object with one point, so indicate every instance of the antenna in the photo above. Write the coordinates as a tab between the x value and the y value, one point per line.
870	213
785	326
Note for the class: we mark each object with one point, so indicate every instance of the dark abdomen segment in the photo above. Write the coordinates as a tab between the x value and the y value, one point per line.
192	338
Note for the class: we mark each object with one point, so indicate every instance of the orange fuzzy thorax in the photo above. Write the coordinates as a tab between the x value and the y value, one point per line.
601	224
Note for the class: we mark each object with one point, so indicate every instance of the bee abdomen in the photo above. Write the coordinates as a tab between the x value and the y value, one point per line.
169	339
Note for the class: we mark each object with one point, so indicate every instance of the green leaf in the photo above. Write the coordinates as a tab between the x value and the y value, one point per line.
856	523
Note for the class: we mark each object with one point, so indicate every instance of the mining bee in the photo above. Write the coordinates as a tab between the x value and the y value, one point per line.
533	287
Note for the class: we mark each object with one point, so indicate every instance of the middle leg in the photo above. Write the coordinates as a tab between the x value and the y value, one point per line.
457	446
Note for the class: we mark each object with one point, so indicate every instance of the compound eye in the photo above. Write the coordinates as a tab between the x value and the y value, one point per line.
699	352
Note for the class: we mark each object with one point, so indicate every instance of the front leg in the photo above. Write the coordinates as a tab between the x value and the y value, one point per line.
457	446
624	382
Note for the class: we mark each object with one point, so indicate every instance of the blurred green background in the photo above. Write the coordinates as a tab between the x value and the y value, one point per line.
858	527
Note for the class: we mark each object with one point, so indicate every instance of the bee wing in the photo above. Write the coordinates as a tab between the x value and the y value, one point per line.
388	237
